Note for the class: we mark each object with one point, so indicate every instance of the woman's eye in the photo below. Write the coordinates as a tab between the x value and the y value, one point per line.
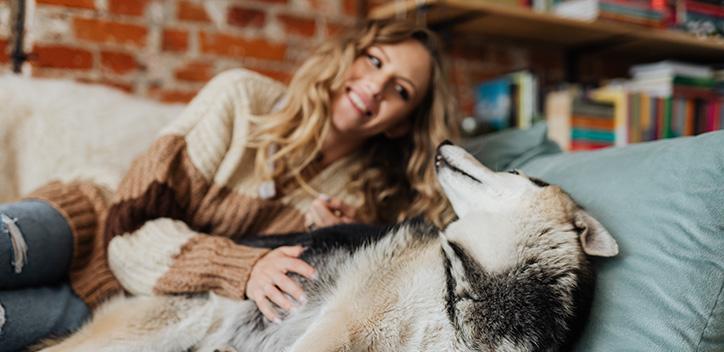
374	60
404	94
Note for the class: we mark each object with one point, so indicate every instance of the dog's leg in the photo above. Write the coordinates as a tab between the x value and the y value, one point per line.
330	333
140	324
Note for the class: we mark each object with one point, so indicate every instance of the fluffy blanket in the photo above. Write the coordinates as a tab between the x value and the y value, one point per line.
56	129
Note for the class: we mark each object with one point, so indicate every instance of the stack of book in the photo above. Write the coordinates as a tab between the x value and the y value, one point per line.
700	17
510	100
663	100
592	124
650	13
639	12
671	99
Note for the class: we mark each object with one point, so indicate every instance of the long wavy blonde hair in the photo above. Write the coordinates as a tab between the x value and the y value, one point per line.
395	177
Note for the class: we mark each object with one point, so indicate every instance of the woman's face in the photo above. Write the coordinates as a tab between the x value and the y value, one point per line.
382	87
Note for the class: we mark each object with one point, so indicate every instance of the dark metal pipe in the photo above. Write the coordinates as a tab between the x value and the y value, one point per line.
18	55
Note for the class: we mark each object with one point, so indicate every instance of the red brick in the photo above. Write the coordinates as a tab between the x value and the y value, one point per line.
195	72
127	7
81	4
242	17
172	96
60	56
4	57
334	29
126	87
227	45
189	11
175	40
280	76
320	6
118	62
350	7
298	25
109	32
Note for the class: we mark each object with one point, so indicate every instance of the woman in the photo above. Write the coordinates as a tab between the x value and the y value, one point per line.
352	139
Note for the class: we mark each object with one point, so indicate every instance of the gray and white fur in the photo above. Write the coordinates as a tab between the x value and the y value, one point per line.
510	274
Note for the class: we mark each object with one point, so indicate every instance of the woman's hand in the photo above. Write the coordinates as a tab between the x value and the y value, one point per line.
268	281
328	211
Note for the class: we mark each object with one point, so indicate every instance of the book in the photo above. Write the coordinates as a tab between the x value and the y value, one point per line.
510	100
617	97
493	103
558	106
670	68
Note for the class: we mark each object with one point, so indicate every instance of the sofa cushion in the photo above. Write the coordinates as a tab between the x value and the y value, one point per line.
664	203
512	147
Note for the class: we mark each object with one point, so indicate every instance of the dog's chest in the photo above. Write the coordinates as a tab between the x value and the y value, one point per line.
396	303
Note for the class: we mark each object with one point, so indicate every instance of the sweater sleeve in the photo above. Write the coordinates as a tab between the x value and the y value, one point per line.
155	247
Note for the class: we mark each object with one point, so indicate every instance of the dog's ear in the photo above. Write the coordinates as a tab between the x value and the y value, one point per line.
595	239
457	271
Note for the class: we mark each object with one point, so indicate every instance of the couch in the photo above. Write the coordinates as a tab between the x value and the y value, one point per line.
56	129
663	201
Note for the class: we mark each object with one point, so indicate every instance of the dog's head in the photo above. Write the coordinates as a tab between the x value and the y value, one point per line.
517	251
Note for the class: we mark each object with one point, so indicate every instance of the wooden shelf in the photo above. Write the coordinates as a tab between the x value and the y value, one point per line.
522	25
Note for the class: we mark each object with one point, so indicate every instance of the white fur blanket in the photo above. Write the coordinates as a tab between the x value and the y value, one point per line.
56	129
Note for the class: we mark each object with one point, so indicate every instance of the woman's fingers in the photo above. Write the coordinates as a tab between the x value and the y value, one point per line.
341	208
290	287
298	266
266	308
291	251
276	296
324	216
328	211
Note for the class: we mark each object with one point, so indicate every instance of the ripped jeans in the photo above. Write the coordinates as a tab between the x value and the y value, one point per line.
37	301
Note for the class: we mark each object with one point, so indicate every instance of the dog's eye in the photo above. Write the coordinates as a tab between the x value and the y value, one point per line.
539	183
514	172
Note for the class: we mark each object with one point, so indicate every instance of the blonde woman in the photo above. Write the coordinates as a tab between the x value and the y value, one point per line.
351	140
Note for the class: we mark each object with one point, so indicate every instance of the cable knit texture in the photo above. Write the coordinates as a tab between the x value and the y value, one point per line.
171	224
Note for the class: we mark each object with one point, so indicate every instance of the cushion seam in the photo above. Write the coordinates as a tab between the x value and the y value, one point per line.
711	314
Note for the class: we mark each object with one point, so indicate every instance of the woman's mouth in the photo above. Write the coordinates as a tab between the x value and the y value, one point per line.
358	103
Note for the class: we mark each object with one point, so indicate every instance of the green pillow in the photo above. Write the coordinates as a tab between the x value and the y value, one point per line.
664	203
511	147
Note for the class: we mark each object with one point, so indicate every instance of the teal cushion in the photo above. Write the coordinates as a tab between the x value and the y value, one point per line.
664	203
512	147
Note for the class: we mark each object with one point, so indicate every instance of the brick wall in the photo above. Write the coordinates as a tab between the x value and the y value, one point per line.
167	49
4	33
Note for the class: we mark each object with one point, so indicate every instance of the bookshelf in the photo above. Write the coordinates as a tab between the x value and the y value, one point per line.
580	117
525	26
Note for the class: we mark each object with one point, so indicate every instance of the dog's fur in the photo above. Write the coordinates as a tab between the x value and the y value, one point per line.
510	274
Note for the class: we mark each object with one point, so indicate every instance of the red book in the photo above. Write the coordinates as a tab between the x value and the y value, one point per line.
709	9
578	145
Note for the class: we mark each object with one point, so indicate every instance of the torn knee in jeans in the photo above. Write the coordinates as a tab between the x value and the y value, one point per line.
2	317
20	248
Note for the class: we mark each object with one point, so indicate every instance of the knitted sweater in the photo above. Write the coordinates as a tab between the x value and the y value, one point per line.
169	228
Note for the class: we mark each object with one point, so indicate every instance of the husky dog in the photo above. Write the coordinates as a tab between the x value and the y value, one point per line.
510	274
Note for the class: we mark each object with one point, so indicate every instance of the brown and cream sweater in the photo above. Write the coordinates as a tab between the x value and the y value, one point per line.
169	227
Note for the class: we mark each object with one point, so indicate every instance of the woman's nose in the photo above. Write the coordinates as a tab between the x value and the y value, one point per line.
375	84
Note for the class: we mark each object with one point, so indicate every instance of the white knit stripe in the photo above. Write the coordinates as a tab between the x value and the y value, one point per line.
140	258
208	141
219	115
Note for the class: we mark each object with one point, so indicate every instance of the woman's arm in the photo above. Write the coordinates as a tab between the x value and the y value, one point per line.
152	248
